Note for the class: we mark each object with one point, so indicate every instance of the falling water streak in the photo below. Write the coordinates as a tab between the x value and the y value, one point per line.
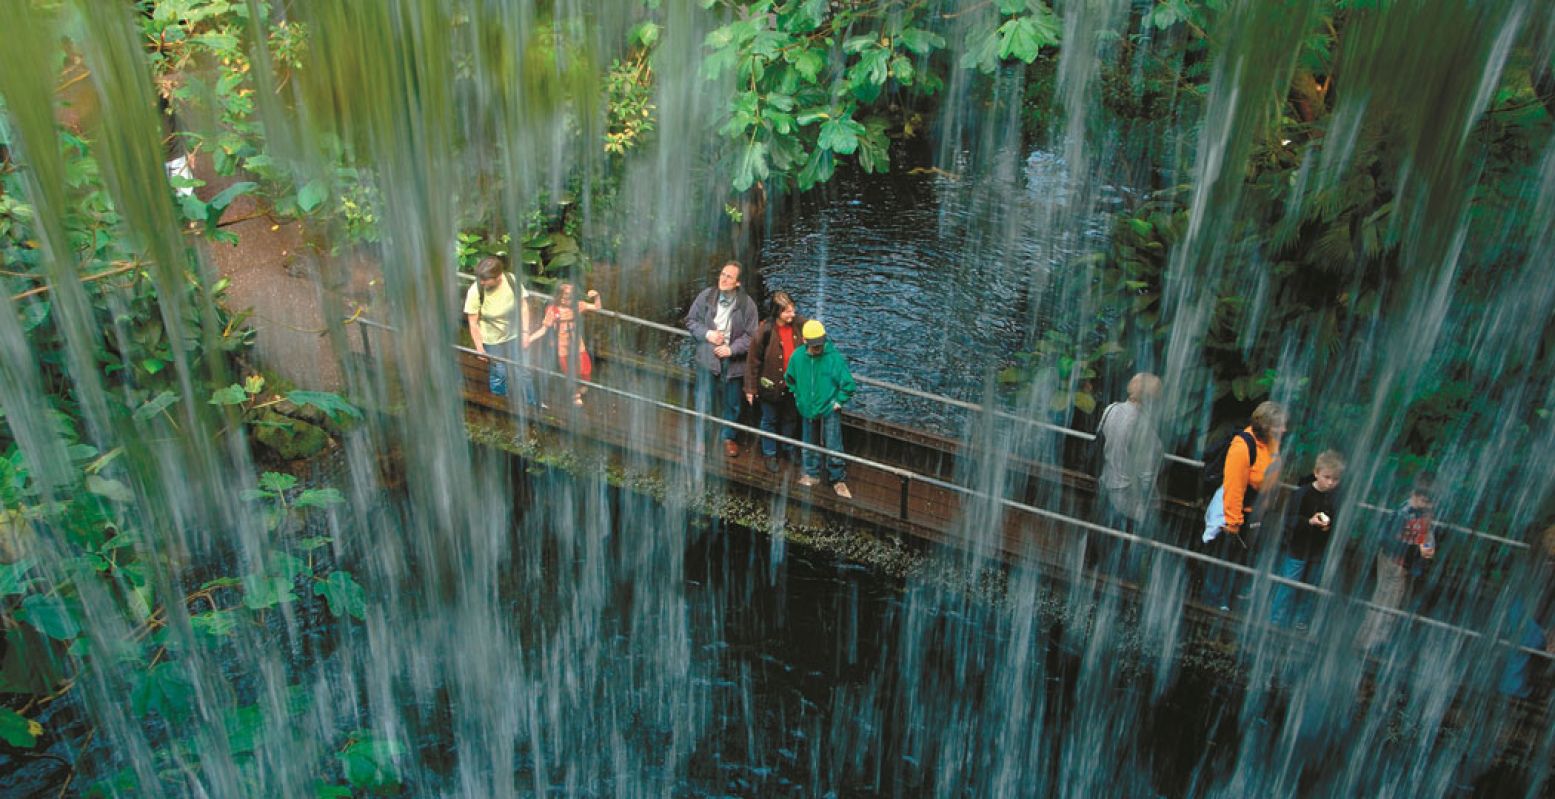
536	669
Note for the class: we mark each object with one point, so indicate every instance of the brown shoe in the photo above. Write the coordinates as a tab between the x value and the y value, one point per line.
731	449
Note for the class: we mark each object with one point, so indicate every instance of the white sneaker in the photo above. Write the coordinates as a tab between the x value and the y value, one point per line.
807	481
842	490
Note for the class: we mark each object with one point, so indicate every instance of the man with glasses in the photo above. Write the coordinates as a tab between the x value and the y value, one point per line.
723	321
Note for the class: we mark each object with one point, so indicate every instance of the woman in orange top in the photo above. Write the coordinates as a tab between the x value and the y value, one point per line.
561	318
1235	506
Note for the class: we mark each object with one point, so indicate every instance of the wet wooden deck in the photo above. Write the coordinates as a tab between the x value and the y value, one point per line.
930	513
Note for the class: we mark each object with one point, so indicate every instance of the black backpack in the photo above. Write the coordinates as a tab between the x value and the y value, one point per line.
1215	461
1096	456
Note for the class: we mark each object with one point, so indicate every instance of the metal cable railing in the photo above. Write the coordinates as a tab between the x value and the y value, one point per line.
908	477
977	408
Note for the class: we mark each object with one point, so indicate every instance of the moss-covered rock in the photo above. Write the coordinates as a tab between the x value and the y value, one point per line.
290	439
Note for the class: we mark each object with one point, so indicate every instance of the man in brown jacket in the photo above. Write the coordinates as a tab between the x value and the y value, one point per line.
776	338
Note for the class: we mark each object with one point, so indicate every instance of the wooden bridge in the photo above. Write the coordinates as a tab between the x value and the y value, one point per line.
902	478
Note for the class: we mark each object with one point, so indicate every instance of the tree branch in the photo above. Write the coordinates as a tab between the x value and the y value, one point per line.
119	270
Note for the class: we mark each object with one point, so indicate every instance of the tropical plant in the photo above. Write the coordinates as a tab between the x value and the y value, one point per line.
815	83
1329	248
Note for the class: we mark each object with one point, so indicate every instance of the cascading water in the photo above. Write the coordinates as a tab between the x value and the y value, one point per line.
523	634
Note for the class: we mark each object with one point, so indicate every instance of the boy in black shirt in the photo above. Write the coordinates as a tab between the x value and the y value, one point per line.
1306	538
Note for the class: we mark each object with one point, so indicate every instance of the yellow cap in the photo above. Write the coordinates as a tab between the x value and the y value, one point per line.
813	331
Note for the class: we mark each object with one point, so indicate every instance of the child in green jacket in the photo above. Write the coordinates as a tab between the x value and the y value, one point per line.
821	384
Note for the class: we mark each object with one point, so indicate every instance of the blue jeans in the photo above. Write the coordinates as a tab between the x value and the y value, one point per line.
824	430
1220	583
497	371
731	399
781	418
1518	674
1284	600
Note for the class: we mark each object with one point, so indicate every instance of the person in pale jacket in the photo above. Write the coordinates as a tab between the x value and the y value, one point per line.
722	321
1131	454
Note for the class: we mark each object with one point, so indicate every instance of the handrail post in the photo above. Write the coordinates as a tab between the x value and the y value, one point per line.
367	347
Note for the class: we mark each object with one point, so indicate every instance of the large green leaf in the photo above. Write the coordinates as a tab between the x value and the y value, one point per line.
245	728
333	405
344	594
154	406
286	566
50	615
810	14
1023	38
808	62
18	730
231	395
13	579
840	135
111	489
369	762
819	169
920	41
752	166
215	623
873	67
318	498
165	689
810	116
34	314
645	34
874	151
983	53
221	201
277	481
311	195
263	591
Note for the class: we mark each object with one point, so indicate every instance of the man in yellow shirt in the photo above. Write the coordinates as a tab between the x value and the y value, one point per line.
498	315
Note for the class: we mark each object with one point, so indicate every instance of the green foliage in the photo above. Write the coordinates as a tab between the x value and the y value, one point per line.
813	81
345	596
629	92
18	730
473	246
201	62
87	515
333	406
1026	29
1330	245
368	761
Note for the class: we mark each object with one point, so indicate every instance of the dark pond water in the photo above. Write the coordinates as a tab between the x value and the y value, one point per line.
922	283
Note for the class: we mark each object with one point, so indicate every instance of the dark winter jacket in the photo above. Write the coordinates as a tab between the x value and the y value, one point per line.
819	381
765	364
1302	540
742	328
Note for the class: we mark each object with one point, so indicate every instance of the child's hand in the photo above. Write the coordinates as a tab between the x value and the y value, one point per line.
1319	520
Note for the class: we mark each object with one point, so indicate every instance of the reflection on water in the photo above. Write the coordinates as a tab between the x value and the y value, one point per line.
917	288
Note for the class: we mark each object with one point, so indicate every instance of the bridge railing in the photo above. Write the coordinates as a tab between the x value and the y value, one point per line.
977	408
1082	526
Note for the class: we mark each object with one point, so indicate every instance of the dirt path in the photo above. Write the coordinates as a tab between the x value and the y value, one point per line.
276	275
